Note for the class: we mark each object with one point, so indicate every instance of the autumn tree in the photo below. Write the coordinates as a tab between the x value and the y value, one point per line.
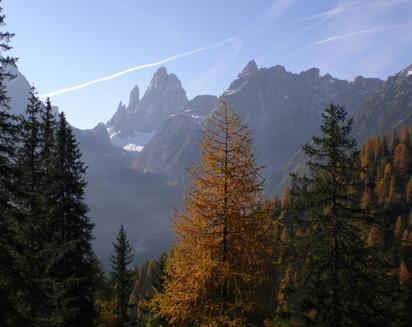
404	135
217	272
366	201
402	157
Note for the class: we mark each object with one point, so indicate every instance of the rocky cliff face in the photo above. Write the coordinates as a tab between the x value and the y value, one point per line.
282	110
18	90
388	109
164	97
174	146
134	125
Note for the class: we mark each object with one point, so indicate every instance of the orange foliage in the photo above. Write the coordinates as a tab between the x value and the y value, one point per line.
404	274
285	197
402	157
366	200
218	269
375	237
392	189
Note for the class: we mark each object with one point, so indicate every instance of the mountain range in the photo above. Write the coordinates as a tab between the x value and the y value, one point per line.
137	160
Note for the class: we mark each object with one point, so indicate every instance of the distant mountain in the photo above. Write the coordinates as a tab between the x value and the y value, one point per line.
388	109
18	90
132	126
174	146
282	110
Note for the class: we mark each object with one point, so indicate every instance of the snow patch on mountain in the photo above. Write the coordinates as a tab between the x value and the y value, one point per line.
135	142
133	147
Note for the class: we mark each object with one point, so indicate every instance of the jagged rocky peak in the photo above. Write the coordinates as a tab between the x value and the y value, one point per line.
164	97
367	82
389	108
100	129
161	80
311	73
133	126
18	90
118	116
278	70
406	72
121	107
134	99
97	137
249	69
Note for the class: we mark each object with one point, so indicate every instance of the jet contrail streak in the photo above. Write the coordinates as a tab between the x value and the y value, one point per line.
126	71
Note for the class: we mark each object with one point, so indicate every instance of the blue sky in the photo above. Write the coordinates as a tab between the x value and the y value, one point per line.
66	43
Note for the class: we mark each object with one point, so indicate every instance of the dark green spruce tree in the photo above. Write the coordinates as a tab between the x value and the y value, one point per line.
72	263
122	275
47	138
31	224
8	275
339	281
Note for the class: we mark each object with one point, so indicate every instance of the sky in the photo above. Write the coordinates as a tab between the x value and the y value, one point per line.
88	55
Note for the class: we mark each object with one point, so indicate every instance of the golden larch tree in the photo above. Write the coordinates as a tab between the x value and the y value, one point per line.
284	199
392	190
375	237
218	270
404	274
398	227
366	200
404	134
402	158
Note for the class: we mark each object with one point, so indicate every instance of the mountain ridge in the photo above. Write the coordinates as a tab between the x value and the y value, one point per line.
272	102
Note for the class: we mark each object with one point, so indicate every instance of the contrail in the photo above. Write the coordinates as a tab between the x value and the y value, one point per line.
129	70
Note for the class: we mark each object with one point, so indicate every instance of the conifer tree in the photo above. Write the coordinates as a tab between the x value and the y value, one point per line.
8	276
402	157
366	200
404	274
382	147
31	222
340	281
218	270
404	135
375	237
47	137
122	275
72	265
